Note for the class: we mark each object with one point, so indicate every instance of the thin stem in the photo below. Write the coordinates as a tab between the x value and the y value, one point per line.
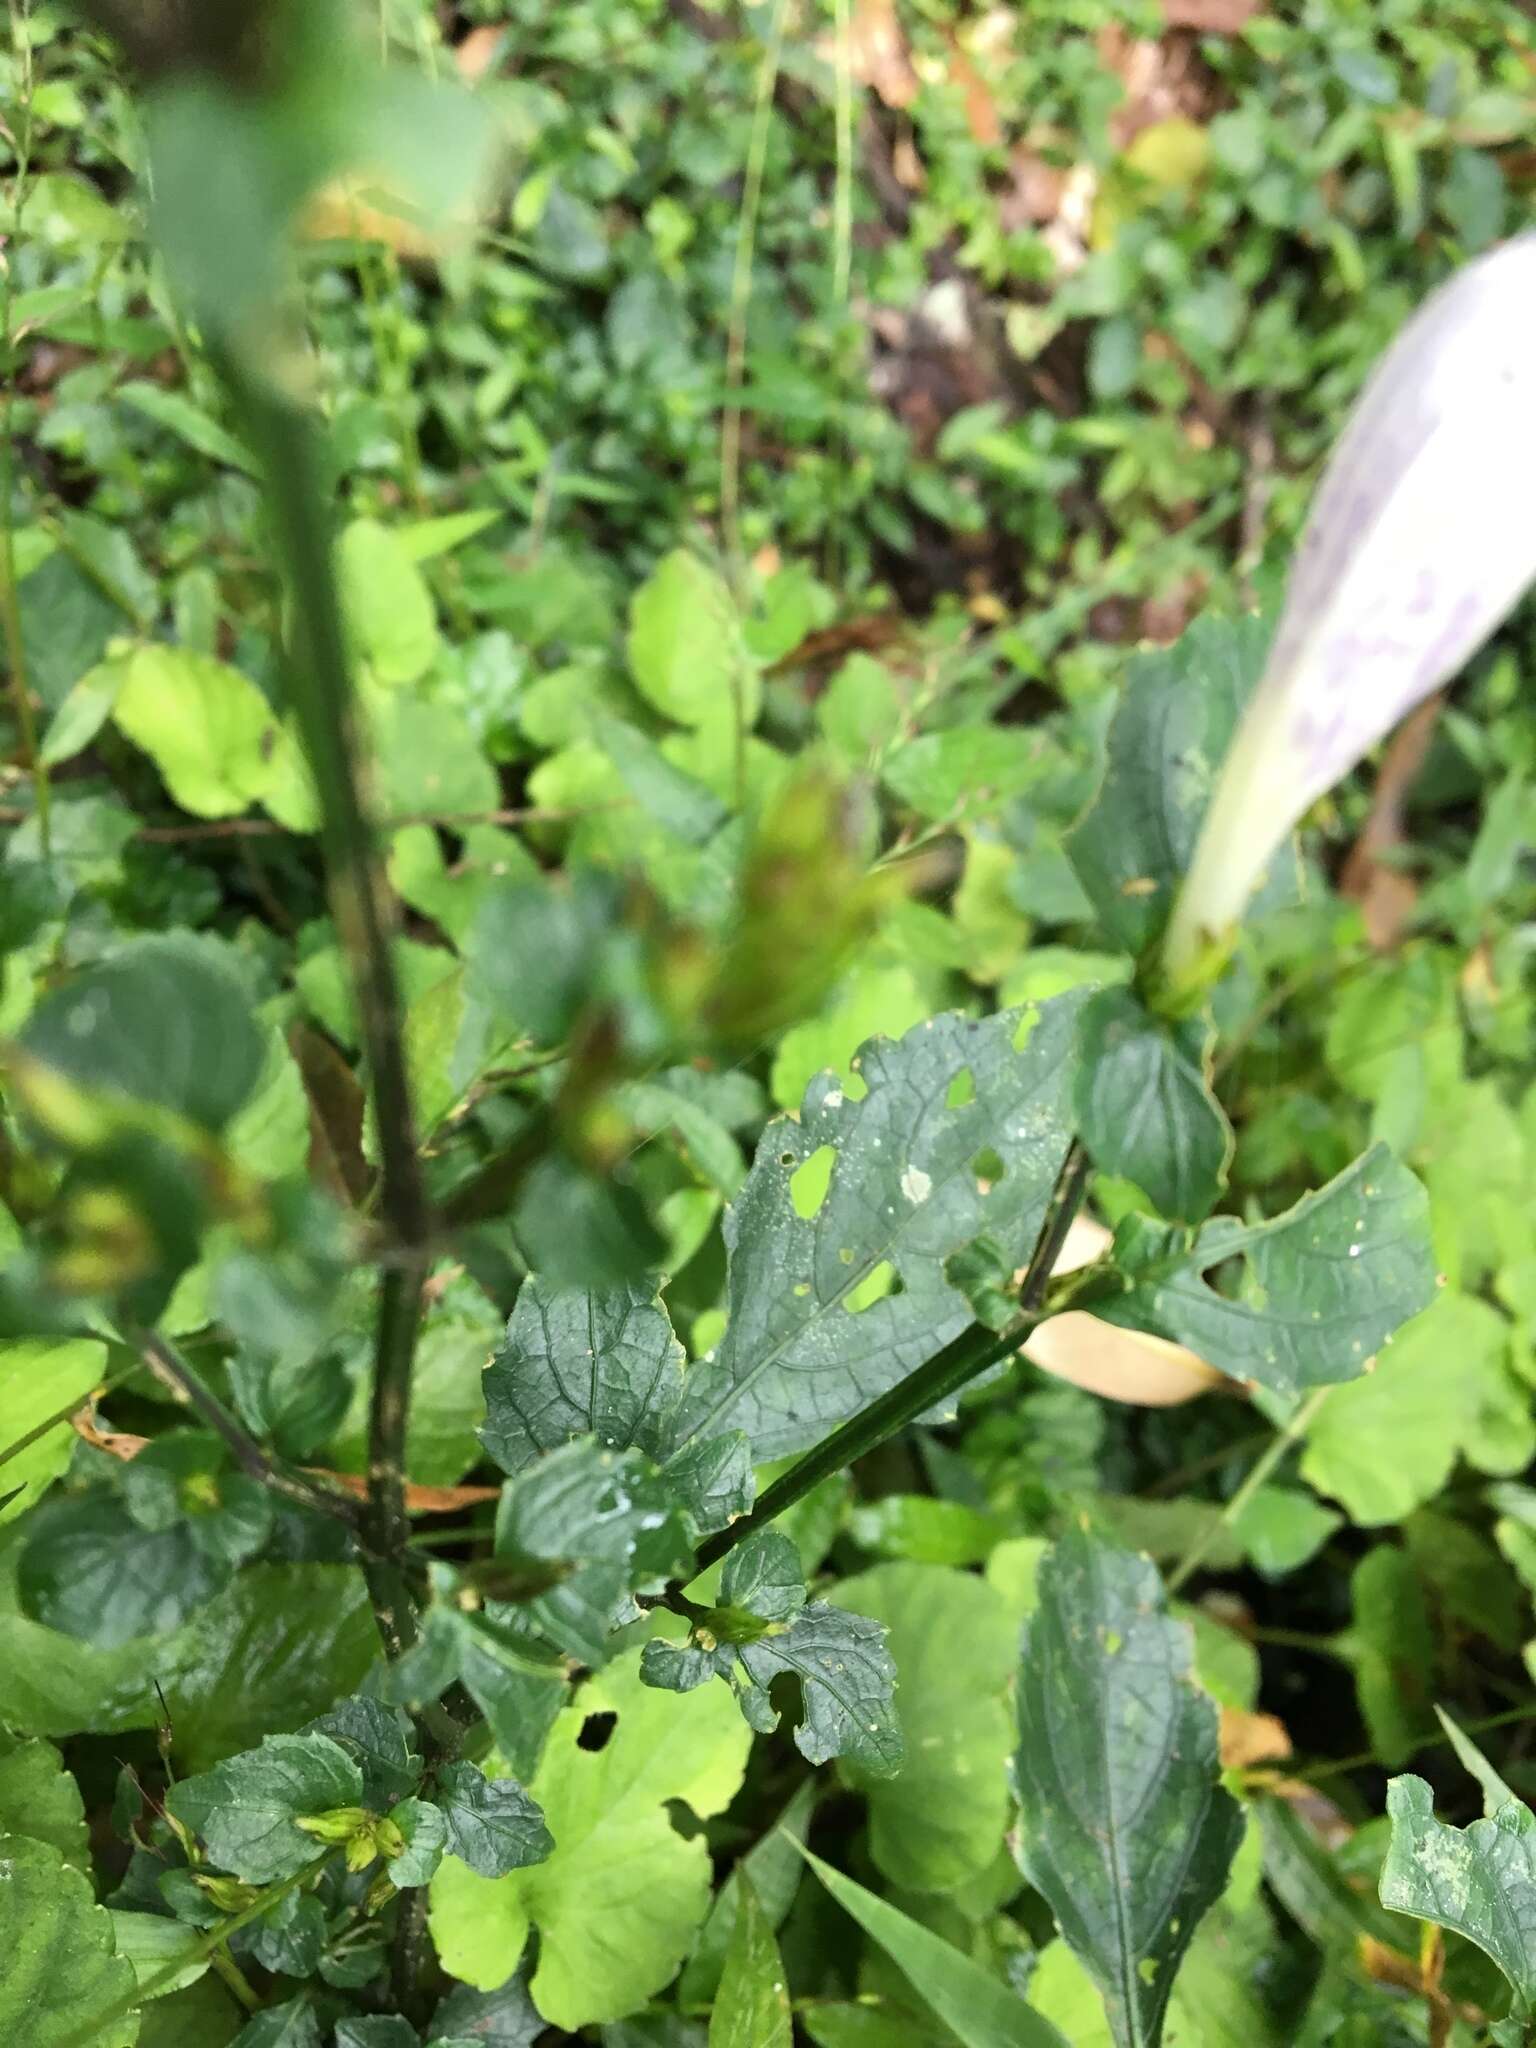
320	685
961	1361
1337	1767
179	1379
10	601
1283	1440
160	1980
67	1413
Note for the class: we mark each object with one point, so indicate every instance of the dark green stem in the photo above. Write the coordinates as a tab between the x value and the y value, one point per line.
961	1361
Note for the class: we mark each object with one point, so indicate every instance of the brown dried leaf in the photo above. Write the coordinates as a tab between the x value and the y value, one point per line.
1210	17
879	54
477	53
1248	1739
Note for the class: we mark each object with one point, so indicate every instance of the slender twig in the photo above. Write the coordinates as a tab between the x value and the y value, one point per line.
970	1354
320	685
10	601
1296	1428
179	1379
1337	1767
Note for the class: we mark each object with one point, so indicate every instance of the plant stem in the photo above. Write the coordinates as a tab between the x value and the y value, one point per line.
40	1429
1336	1767
962	1360
173	1373
1282	1441
320	686
10	602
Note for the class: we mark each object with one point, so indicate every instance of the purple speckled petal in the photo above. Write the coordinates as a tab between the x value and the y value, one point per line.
1422	537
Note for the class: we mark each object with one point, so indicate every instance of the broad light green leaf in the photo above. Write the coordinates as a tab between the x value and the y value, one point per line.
804	1345
150	1942
981	2010
215	738
387	603
1125	1827
247	1808
1322	1287
40	1377
752	2004
941	1819
617	1903
581	1363
686	651
1387	1443
1145	1110
763	1627
1170	734
165	1020
61	1970
493	1824
1479	1881
871	1001
39	1798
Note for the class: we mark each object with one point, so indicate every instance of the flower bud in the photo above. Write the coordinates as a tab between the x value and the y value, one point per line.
1421	539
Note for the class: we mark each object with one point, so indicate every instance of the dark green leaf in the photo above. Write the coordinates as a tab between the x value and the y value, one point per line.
290	1937
904	1195
246	1810
376	2030
501	2019
1145	1110
1322	1287
378	1740
1125	1827
1479	1881
425	1829
88	1570
493	1824
774	1871
40	1799
1170	734
752	2004
60	1970
579	1363
292	2024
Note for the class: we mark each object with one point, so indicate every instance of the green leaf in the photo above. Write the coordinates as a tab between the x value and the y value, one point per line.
217	741
1170	735
941	1819
89	1570
752	2004
39	1798
904	1194
1125	1827
504	2018
1322	1288
966	770
870	1001
61	1970
165	1020
83	712
1479	1881
617	1903
581	1363
377	1739
493	1824
40	1377
1412	1404
425	1829
982	2011
774	1871
1145	1109
1496	1793
150	1942
293	2024
176	412
1392	1647
686	651
762	1628
387	603
246	1809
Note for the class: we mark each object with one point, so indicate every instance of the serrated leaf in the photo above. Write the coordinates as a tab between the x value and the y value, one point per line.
425	1828
1322	1287
40	1799
981	2010
620	1898
378	1740
752	2005
493	1824
904	1194
1145	1110
1480	1881
941	1819
246	1809
293	2024
1169	736
582	1363
61	1973
763	1627
1125	1827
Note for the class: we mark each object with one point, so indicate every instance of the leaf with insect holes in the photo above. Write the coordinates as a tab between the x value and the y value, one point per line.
838	1239
247	1809
763	1626
1321	1287
1125	1828
1480	1881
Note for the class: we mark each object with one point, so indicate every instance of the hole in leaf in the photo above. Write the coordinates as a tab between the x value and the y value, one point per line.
875	1286
989	1168
962	1089
808	1184
596	1730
